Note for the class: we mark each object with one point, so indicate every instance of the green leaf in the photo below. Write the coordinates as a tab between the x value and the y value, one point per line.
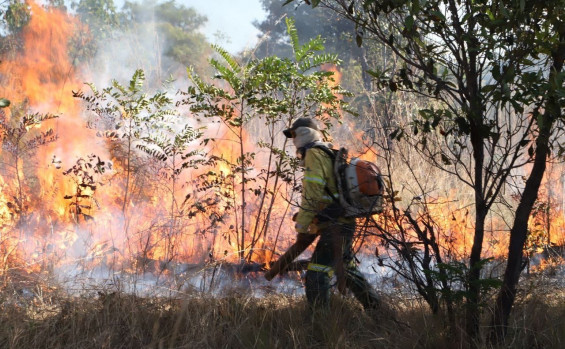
409	22
4	103
226	74
136	82
488	88
293	34
437	16
228	57
490	14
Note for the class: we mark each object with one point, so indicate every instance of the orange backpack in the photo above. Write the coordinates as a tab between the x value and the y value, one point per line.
359	183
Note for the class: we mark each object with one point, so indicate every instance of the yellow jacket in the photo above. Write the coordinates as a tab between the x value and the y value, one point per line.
318	173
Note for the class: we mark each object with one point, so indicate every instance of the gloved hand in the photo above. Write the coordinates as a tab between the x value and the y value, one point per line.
297	226
304	238
302	243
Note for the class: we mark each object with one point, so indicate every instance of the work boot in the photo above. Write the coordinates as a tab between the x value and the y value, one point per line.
317	289
363	292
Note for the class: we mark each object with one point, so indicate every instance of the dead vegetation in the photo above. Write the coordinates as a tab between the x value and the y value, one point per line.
42	317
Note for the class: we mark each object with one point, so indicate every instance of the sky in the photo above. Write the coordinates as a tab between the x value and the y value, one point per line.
232	19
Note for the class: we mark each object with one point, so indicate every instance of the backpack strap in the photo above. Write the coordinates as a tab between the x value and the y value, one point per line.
326	150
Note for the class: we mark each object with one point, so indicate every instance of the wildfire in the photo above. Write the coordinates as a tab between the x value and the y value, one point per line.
50	215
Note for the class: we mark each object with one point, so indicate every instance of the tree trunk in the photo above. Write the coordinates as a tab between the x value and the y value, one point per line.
518	234
360	53
477	140
474	276
243	189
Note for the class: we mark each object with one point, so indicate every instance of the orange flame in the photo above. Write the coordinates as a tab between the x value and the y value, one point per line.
42	77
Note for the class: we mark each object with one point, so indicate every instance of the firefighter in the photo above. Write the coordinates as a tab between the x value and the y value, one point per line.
320	215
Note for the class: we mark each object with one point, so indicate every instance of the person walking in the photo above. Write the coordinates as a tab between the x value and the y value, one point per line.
321	215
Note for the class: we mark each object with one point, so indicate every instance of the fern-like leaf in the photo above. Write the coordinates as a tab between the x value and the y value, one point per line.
293	34
137	80
200	84
309	48
228	57
226	74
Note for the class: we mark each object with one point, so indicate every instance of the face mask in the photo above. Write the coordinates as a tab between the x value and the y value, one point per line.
296	143
305	135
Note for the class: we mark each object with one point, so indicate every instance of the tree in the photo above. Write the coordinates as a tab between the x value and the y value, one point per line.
122	114
100	16
478	60
20	140
145	130
161	37
172	140
339	37
17	16
273	92
543	25
100	21
336	32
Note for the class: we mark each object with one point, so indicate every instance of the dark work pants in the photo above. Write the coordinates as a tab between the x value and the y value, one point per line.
333	247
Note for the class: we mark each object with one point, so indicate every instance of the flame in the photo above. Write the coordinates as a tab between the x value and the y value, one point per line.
337	75
155	229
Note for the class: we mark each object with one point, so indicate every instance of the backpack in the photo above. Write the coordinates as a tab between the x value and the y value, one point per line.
359	184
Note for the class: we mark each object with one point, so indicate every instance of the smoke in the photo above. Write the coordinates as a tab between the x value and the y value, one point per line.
122	51
76	233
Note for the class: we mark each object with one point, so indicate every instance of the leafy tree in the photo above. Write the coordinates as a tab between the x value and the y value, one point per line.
163	36
421	239
100	16
121	113
357	60
273	92
20	138
17	15
483	62
176	152
540	26
146	131
128	117
101	21
336	32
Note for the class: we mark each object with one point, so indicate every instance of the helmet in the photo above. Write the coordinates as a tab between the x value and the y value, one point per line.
300	122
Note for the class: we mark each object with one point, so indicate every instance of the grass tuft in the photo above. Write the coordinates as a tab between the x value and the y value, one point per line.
118	320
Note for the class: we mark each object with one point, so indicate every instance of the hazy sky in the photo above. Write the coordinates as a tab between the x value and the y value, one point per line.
232	18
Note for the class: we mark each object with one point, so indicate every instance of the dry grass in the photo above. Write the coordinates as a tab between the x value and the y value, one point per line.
117	320
122	321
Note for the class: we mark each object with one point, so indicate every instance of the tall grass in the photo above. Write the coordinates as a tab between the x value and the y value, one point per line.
117	320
